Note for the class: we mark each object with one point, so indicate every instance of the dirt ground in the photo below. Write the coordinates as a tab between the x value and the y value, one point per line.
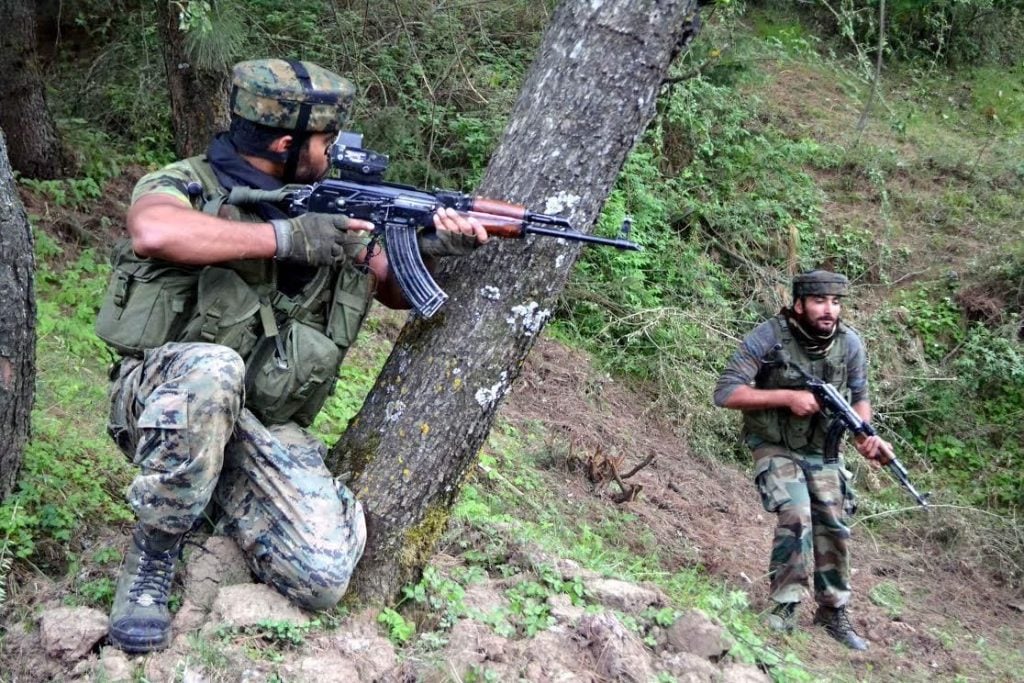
955	613
709	513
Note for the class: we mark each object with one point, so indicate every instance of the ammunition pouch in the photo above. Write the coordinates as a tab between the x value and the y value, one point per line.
290	376
352	289
147	303
226	312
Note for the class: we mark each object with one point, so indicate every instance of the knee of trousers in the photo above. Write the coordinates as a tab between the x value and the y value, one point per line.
321	597
213	370
795	518
315	582
317	576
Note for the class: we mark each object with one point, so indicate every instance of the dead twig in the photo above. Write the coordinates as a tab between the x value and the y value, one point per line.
646	461
602	469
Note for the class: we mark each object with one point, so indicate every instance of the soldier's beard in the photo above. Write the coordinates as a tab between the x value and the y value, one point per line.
819	326
308	170
816	341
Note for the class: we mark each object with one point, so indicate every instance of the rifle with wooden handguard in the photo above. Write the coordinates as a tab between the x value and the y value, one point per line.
403	215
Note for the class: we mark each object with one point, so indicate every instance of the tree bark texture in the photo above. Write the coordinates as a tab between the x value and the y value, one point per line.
34	146
199	96
17	327
588	97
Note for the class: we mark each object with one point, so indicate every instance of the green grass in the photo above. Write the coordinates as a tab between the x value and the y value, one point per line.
72	475
355	379
505	503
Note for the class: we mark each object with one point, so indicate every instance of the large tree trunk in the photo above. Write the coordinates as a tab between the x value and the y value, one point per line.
34	146
17	326
199	95
589	95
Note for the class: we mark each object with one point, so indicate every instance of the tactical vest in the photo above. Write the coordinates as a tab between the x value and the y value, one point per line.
292	345
780	426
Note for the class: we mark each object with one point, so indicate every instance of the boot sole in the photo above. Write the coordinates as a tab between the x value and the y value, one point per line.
135	645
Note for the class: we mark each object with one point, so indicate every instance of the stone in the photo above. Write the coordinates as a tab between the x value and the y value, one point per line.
68	633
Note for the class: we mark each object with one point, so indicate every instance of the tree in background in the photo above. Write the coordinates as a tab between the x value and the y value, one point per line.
587	98
17	326
200	41
34	144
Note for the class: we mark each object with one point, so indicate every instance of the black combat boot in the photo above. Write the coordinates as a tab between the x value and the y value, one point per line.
837	624
782	618
139	620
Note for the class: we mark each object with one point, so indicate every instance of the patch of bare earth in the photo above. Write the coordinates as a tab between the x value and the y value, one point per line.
77	229
708	513
923	219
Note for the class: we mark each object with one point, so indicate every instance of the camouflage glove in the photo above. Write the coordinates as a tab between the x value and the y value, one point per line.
446	243
312	238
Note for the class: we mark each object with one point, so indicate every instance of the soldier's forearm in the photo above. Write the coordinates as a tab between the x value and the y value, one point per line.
164	228
863	409
749	398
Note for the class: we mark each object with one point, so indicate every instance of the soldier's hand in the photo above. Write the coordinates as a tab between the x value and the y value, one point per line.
874	448
316	239
802	403
454	234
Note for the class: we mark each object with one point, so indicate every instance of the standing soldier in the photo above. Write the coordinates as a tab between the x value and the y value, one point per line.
785	429
231	322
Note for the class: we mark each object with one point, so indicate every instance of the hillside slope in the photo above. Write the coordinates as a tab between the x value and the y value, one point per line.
929	197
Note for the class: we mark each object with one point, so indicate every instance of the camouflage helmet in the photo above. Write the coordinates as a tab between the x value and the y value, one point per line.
820	283
290	95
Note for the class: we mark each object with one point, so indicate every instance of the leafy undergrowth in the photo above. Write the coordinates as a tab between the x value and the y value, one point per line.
698	539
754	169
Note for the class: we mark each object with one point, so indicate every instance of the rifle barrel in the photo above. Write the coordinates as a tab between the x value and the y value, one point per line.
575	236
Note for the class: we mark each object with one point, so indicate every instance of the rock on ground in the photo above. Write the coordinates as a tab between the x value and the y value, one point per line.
620	656
68	633
623	595
695	633
247	604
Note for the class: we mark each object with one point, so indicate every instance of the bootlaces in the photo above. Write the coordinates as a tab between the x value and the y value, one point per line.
152	584
840	622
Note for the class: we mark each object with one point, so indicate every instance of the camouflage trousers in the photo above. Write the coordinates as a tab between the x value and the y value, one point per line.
811	500
178	414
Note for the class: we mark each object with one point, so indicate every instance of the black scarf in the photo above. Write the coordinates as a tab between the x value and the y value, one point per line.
232	171
816	345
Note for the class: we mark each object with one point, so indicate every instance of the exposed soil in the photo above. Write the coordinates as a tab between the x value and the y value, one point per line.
954	599
709	513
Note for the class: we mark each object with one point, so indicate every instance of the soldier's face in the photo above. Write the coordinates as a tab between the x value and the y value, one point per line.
818	313
313	162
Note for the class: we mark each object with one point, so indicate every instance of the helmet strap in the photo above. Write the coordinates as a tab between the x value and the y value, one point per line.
301	135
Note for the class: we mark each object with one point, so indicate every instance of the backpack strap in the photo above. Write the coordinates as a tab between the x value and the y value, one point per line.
214	195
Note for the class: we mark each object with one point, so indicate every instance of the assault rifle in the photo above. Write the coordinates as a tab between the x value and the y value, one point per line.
845	417
401	212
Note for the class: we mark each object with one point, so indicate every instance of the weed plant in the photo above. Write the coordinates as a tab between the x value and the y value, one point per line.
72	476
